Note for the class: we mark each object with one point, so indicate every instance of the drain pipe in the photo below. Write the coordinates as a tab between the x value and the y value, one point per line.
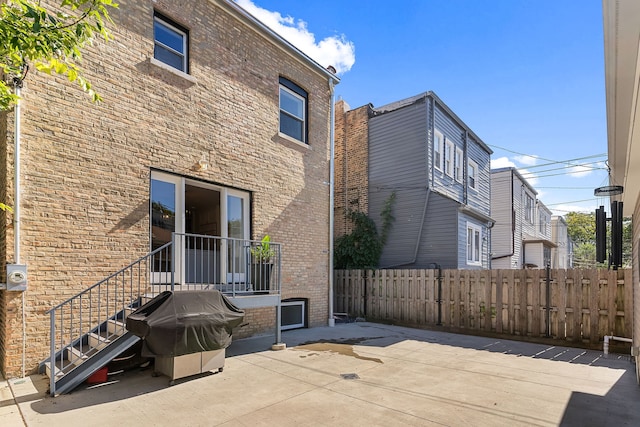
613	338
17	86
332	82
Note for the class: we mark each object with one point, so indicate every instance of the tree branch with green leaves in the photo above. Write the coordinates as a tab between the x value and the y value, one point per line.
48	40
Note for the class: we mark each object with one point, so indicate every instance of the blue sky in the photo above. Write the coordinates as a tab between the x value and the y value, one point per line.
526	76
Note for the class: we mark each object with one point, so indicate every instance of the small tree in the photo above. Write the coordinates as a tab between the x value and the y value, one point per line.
362	247
48	40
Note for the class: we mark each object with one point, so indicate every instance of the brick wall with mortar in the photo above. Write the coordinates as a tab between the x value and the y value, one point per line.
351	164
86	168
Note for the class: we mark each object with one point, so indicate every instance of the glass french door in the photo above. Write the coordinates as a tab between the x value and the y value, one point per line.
196	208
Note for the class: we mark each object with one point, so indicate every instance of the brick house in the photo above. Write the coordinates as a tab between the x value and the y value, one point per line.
621	46
436	166
211	125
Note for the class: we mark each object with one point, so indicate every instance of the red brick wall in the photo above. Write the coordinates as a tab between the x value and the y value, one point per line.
351	164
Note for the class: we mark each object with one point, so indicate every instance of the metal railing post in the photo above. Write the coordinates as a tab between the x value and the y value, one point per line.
52	349
173	260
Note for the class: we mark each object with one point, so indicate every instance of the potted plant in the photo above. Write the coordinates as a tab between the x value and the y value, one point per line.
261	264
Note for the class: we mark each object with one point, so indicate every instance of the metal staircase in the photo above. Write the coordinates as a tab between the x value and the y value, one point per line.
88	330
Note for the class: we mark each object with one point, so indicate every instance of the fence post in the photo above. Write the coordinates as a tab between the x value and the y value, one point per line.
548	304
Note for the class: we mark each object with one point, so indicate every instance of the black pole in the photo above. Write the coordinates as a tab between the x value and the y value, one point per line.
548	300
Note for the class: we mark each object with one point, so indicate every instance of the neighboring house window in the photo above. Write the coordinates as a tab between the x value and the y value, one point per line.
472	172
459	165
448	158
473	244
170	43
293	110
528	208
438	139
543	223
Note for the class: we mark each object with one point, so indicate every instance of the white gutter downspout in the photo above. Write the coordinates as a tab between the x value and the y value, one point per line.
17	85
16	178
613	338
332	321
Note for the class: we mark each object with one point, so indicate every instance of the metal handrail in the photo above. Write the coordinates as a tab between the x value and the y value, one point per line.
84	323
103	301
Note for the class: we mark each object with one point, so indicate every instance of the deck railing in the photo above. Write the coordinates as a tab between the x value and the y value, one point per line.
83	324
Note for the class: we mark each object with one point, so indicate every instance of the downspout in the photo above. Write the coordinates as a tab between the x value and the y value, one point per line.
332	321
17	86
419	238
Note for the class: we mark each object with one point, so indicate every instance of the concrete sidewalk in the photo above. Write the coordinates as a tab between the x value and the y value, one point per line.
357	374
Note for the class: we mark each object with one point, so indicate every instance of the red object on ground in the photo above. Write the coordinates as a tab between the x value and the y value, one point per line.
99	376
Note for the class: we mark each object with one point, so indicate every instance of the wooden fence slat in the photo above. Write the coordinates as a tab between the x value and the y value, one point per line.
594	309
536	289
511	300
559	301
577	304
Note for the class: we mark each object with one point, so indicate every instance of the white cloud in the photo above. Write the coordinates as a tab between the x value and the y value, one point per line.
335	50
526	159
502	162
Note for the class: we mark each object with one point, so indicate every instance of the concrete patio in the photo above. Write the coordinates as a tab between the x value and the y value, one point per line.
356	374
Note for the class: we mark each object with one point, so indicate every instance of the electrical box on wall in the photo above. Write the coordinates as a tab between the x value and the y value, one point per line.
16	277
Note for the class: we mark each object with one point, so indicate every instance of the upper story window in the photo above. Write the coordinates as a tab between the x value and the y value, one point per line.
170	43
543	223
458	168
528	208
293	110
448	158
438	141
472	175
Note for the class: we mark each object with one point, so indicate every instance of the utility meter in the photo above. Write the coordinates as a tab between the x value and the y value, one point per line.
16	277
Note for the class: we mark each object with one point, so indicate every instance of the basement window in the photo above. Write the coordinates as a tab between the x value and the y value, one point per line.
293	314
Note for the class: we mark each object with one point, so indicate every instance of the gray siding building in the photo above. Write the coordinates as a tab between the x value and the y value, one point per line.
439	171
521	237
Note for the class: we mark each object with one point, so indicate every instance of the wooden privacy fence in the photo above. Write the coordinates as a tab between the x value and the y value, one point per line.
583	305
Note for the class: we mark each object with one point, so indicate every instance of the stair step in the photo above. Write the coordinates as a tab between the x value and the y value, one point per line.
97	341
47	366
116	327
75	353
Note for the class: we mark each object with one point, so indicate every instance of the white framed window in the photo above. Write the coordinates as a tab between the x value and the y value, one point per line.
438	140
543	223
293	110
459	165
170	43
448	157
528	208
474	244
293	314
472	174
